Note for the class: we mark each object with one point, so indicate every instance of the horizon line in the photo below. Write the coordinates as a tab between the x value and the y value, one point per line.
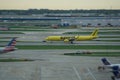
58	9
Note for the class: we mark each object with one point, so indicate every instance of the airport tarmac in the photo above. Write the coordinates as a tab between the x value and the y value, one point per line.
66	43
52	65
40	36
36	38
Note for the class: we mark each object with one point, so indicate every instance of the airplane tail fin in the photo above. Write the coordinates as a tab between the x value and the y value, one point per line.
116	71
12	43
105	61
94	33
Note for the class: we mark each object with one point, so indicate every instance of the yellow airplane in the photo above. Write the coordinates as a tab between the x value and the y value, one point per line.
73	38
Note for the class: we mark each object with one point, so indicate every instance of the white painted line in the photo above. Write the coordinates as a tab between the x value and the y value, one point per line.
91	74
76	72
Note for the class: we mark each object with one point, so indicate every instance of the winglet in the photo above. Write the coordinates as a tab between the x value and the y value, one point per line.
12	43
116	71
105	61
94	33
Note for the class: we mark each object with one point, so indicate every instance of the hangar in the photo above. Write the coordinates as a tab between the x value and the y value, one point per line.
29	21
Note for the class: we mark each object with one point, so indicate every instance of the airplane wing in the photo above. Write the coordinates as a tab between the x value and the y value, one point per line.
116	73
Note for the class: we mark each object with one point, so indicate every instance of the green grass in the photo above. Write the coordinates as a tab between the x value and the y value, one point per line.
104	29
10	32
99	54
5	38
14	60
68	47
109	36
109	40
28	30
115	32
33	27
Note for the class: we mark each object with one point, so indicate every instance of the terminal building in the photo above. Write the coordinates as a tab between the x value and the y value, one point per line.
18	21
48	21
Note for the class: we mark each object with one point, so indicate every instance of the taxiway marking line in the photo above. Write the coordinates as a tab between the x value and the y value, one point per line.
76	72
91	74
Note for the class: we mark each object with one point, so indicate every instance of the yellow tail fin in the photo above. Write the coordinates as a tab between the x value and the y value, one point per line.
95	32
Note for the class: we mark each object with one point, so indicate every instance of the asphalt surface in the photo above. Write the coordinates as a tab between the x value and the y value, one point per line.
37	38
65	43
52	65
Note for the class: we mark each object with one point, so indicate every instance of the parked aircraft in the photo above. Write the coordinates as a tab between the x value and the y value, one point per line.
10	47
107	64
73	38
115	68
116	73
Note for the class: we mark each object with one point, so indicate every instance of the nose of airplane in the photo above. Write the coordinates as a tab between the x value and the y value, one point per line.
46	38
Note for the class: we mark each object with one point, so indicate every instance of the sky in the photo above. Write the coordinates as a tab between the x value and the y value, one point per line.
59	4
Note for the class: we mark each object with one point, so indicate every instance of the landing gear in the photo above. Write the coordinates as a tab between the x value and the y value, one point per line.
112	77
101	68
71	42
44	41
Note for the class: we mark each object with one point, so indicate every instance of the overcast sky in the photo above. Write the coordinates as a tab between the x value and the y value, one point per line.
60	4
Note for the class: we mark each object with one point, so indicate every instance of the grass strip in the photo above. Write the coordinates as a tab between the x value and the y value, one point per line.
116	47
29	30
6	37
10	32
98	54
116	32
14	60
109	36
109	40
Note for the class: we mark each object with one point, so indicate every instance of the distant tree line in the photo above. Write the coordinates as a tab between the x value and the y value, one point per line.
48	11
